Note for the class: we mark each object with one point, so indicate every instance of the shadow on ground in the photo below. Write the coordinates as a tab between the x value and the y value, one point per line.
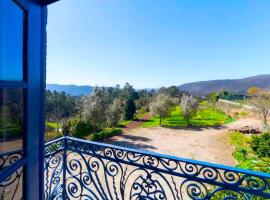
131	141
196	128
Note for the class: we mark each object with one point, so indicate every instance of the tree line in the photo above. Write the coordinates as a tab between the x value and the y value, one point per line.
107	107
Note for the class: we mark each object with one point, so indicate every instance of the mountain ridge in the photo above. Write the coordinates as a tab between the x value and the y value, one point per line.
237	86
199	88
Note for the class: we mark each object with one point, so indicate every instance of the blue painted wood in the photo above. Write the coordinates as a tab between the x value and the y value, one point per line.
35	111
48	2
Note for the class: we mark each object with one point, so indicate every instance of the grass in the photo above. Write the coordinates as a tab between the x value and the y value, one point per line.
51	131
124	123
54	125
204	118
245	156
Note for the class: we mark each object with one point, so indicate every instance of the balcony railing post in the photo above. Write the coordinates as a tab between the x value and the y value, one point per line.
64	167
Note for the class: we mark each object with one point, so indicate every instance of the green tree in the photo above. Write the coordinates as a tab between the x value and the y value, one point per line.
129	109
59	106
213	98
94	108
260	102
115	113
189	107
261	145
162	106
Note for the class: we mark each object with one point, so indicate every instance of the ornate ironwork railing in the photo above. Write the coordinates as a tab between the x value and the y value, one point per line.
78	169
11	187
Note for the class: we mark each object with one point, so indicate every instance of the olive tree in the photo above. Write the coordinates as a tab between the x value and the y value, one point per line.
115	113
94	108
189	106
161	106
260	102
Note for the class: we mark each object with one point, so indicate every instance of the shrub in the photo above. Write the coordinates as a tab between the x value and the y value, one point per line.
77	127
261	145
109	132
51	135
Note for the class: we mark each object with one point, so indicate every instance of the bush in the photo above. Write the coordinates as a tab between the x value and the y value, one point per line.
261	145
76	127
109	132
245	156
51	135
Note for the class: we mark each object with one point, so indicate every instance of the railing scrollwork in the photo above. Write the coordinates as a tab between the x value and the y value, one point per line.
88	170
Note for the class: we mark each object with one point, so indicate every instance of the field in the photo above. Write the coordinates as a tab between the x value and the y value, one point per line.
204	118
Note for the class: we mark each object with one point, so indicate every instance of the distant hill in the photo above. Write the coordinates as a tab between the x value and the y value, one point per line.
237	86
73	90
201	88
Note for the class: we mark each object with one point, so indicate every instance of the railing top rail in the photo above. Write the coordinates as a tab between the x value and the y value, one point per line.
202	163
20	151
54	141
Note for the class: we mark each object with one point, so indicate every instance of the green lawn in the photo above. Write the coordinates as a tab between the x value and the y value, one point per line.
53	125
205	117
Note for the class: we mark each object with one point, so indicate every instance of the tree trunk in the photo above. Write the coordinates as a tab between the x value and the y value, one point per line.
265	119
188	123
159	121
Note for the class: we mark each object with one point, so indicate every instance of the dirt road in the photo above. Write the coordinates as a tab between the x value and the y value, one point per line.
205	144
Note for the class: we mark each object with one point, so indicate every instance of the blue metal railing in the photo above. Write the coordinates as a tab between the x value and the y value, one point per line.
11	179
79	169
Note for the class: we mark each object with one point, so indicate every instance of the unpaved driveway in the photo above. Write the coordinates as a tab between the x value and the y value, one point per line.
205	144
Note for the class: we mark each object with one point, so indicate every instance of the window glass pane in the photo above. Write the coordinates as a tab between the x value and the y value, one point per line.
11	41
11	187
11	119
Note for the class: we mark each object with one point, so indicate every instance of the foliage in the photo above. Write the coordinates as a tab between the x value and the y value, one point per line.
59	106
51	135
94	108
260	103
189	107
253	90
171	91
245	156
115	113
145	97
213	98
108	132
124	123
10	132
129	109
77	127
162	106
261	144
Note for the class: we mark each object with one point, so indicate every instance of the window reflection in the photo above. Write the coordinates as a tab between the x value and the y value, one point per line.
11	41
11	187
11	119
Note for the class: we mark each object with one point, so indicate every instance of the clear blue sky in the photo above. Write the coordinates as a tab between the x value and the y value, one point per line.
153	43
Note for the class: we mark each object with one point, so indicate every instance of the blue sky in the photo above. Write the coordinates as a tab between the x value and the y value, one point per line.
153	43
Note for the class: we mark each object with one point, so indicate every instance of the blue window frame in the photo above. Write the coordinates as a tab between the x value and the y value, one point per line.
22	85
